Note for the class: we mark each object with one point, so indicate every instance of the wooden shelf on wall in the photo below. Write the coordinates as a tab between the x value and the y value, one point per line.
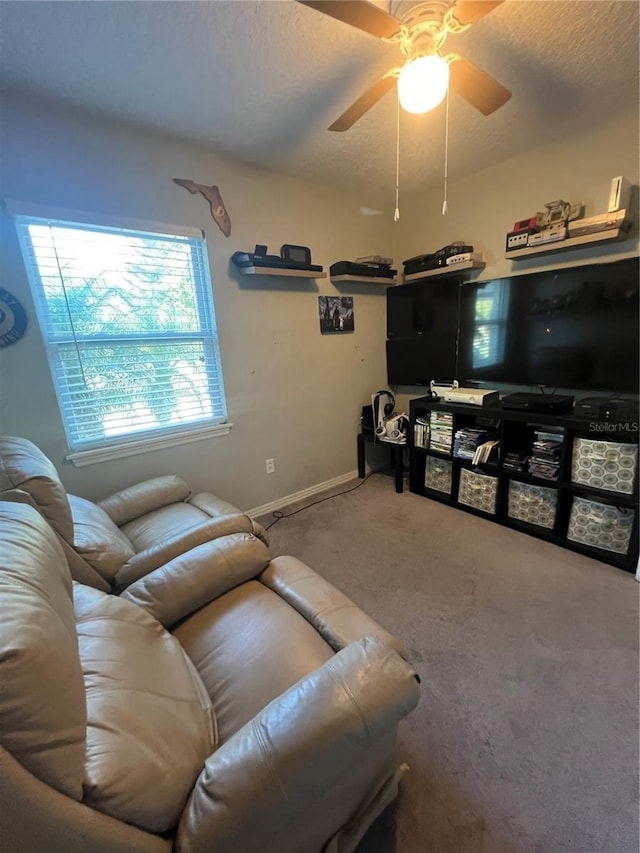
452	269
611	235
364	279
280	271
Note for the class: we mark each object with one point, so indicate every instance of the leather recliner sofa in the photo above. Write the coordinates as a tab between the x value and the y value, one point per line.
223	703
114	542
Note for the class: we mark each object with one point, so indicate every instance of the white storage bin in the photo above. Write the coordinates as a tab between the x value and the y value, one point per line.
533	504
437	474
478	490
600	525
607	465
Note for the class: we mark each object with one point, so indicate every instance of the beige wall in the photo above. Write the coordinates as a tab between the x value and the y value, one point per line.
483	207
292	394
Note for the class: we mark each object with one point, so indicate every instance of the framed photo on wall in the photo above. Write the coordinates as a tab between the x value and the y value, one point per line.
336	314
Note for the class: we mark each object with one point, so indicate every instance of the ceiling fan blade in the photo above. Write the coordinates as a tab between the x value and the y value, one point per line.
359	13
477	87
470	11
350	116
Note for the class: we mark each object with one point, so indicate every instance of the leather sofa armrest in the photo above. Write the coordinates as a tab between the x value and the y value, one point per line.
134	501
334	616
35	817
157	555
261	789
191	580
214	506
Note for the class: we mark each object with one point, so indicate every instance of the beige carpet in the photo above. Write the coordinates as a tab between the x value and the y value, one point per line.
526	736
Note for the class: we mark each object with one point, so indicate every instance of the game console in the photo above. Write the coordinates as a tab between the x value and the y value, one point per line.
533	223
471	396
608	409
290	258
424	263
463	258
601	222
550	234
518	239
619	194
368	270
550	404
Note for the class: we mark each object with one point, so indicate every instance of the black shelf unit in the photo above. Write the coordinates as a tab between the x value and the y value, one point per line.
516	429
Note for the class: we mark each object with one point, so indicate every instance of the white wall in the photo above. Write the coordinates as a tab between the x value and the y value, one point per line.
292	394
483	207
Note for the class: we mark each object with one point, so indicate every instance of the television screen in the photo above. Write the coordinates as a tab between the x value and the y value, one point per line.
422	331
570	328
418	309
418	360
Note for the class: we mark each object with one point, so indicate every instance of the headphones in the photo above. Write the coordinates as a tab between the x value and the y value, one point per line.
383	404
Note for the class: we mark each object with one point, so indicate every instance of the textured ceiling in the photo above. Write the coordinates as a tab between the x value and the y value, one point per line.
261	81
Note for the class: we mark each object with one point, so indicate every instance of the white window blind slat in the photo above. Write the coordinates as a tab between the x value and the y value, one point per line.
129	324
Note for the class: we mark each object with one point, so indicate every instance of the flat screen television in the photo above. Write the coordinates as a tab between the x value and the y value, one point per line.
570	328
422	331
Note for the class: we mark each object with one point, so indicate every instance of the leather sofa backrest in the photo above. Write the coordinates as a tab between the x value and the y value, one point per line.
24	466
42	701
150	725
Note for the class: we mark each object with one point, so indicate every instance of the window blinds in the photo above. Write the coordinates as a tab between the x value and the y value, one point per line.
129	325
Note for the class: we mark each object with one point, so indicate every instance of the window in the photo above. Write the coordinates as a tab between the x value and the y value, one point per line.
490	321
128	321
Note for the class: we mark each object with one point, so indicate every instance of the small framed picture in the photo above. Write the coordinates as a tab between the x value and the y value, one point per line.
336	314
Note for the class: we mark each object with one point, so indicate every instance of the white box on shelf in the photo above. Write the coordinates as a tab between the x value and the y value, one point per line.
619	194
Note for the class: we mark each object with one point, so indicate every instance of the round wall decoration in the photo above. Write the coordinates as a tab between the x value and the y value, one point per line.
13	319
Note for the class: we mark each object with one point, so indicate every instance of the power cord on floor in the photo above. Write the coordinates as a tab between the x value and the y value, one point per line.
278	514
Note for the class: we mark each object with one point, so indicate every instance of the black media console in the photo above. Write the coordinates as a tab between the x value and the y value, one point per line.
592	506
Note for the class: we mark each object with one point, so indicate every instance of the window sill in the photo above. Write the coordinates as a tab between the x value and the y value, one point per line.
132	448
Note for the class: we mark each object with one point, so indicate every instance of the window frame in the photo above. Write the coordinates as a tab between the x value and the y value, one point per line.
141	441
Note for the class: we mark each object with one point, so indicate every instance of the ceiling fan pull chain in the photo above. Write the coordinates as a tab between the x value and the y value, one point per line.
396	215
445	206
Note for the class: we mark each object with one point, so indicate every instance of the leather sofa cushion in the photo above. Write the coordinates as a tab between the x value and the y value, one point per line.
149	721
97	539
162	524
249	646
24	466
42	701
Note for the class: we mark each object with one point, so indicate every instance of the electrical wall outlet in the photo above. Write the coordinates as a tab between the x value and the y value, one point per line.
270	465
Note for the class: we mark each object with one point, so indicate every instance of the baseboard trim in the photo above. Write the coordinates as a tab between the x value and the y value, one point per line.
299	496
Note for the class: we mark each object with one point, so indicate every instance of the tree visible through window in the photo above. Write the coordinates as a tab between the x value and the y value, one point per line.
128	320
490	321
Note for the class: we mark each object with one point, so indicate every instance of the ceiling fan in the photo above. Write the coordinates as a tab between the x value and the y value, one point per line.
426	74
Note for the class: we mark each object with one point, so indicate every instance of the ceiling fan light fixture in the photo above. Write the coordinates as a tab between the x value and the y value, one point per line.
423	83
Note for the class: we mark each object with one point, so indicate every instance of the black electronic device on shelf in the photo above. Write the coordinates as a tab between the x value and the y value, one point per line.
551	404
290	258
369	270
608	409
